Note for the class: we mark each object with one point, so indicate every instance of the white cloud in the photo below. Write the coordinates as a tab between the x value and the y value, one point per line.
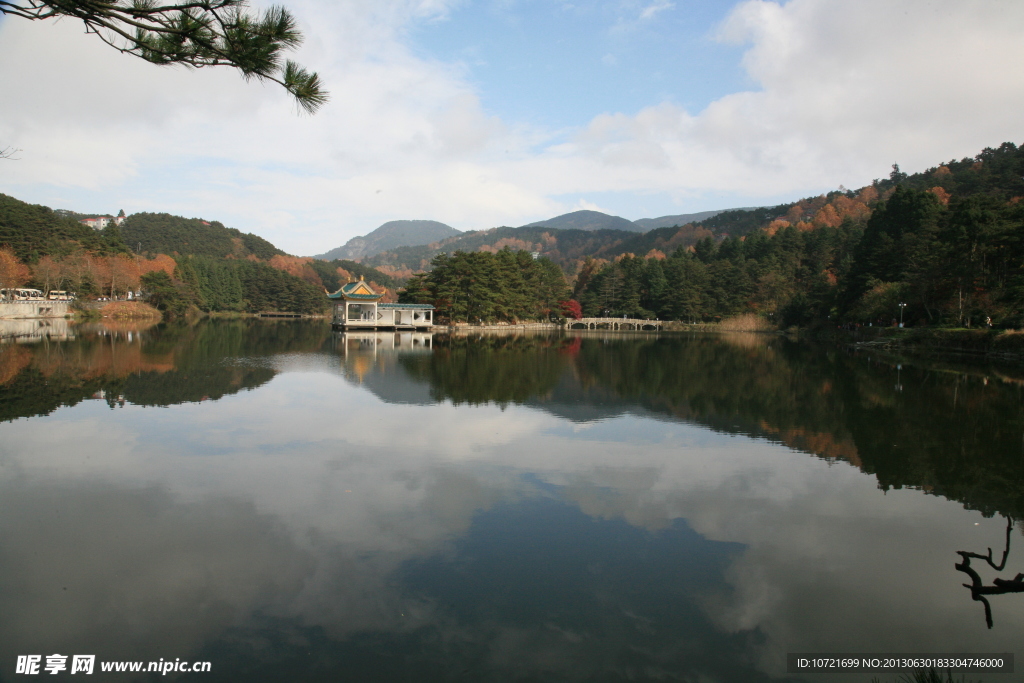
207	143
655	8
841	90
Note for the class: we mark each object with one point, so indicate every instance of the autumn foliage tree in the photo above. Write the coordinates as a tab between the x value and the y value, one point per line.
13	273
119	274
571	309
48	274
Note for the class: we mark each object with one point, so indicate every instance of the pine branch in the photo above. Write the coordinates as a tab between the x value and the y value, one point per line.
194	33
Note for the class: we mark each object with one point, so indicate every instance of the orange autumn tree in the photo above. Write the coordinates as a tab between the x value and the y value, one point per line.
160	262
13	273
123	273
81	272
48	273
299	266
115	275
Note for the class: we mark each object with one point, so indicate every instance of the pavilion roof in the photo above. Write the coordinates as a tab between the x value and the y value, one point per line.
356	291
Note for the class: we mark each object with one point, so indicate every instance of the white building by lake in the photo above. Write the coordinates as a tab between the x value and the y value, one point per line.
358	306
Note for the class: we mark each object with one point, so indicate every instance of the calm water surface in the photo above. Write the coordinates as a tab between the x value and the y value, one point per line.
293	504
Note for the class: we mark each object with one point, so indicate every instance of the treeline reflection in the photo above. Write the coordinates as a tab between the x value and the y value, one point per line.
953	431
154	365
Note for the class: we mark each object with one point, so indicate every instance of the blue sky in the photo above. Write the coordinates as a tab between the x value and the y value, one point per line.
481	113
555	64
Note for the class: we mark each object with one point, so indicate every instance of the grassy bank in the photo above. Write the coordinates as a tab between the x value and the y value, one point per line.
749	322
128	310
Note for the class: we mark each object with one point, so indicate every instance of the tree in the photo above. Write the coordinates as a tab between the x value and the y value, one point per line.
417	291
166	295
13	273
194	33
48	273
82	273
571	309
121	274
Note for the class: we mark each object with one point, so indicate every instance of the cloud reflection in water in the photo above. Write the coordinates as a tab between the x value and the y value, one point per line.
309	518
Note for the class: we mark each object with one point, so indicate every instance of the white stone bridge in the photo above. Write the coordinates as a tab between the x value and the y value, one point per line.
621	324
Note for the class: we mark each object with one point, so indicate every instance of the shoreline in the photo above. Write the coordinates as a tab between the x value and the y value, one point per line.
977	344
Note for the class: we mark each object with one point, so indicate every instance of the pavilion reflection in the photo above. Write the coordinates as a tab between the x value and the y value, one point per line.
365	352
372	342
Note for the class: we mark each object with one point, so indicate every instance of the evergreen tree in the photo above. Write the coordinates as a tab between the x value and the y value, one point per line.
195	34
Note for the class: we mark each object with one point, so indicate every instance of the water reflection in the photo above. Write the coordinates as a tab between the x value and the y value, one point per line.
141	363
31	331
942	429
312	506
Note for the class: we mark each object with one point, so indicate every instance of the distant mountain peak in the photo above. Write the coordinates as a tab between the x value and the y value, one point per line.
390	235
586	219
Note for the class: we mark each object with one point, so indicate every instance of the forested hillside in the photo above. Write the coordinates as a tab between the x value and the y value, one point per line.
587	220
32	231
941	247
183	262
563	247
233	285
162	233
167	234
947	243
570	247
334	274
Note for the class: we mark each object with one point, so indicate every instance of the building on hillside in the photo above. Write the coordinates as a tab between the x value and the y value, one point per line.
97	222
357	306
100	222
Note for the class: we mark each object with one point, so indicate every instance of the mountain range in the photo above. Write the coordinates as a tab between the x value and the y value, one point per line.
415	233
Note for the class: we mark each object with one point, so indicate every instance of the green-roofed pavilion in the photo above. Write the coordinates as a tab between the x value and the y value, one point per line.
358	306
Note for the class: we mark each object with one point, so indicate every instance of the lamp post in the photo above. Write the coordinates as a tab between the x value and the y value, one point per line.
902	306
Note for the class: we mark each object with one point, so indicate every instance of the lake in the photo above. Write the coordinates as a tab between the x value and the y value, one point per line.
290	503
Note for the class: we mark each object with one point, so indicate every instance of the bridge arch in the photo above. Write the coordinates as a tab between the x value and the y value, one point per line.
614	324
